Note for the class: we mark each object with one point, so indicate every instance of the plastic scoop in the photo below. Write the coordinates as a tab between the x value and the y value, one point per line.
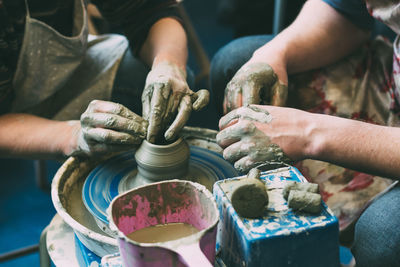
173	201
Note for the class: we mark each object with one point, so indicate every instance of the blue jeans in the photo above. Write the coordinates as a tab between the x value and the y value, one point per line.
377	232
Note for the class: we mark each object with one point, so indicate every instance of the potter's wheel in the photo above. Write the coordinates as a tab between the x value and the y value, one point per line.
67	187
110	178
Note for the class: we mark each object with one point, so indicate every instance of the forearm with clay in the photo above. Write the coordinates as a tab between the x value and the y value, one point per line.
313	40
167	99
256	134
32	137
104	127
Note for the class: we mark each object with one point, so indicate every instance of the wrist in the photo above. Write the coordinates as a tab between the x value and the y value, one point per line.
275	58
70	144
273	52
325	132
170	66
161	60
314	136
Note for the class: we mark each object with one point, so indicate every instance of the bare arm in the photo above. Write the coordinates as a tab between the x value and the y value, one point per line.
104	127
357	145
319	36
167	99
166	41
27	136
248	135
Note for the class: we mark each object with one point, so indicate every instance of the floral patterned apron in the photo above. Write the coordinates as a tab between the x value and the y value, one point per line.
363	86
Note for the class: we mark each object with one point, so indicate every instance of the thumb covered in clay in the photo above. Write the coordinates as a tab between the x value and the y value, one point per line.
107	127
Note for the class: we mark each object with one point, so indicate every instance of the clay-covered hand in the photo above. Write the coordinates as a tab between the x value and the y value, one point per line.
256	134
167	96
254	83
107	127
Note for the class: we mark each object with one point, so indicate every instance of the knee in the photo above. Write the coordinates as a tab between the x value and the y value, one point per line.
132	72
223	67
377	238
129	82
190	78
233	55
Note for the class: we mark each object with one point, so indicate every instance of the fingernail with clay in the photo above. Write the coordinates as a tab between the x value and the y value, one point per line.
169	135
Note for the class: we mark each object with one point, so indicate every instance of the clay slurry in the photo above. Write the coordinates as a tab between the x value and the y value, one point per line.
162	232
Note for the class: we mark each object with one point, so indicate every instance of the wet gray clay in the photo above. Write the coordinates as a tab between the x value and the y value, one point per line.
162	162
292	185
250	197
304	201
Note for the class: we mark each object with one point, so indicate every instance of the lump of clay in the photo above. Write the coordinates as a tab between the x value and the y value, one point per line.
249	200
307	187
250	197
304	201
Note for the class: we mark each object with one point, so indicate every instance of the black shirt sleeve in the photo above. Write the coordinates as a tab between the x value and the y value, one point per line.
354	10
135	17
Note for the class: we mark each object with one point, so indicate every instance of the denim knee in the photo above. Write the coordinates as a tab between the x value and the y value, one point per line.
129	82
377	235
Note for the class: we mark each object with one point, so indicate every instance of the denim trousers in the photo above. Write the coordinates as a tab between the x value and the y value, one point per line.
377	238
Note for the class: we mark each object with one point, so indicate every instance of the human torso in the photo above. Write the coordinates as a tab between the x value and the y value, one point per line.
56	13
388	11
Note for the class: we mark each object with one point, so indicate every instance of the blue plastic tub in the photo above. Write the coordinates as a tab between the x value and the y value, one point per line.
282	237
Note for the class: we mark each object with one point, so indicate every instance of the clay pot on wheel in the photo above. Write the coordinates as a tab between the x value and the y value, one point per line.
157	163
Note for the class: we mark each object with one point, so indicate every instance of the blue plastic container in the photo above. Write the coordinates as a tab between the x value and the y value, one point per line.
282	237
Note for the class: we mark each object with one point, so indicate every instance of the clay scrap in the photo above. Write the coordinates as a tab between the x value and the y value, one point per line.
250	197
303	197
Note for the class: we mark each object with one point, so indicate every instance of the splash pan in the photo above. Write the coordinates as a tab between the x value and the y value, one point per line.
68	184
110	179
